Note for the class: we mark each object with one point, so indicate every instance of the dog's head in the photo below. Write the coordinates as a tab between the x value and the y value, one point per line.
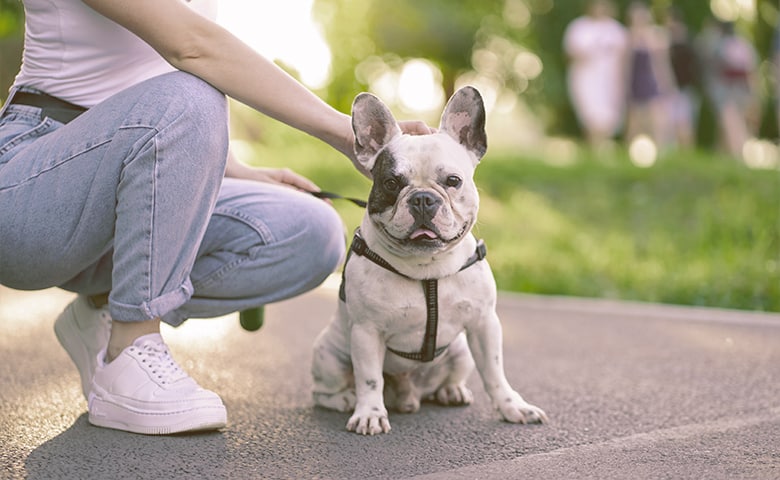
423	199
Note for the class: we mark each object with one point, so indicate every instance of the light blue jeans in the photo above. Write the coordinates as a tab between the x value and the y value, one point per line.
130	198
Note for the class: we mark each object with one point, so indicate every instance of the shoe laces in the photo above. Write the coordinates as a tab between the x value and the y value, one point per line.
157	360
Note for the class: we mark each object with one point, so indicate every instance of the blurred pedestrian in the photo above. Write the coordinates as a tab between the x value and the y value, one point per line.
706	43
595	45
735	89
685	99
650	80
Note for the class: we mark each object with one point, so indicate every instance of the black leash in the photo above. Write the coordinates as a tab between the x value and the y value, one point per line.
331	195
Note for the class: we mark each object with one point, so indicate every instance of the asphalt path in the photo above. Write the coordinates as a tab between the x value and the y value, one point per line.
632	391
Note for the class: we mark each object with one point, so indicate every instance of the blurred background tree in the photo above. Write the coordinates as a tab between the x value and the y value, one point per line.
11	31
511	47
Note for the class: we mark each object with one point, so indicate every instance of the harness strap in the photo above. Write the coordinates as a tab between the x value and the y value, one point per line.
429	350
430	291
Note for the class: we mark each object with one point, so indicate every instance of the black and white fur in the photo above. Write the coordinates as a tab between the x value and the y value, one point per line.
421	209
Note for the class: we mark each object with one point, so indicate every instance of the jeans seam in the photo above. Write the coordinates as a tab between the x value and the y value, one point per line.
56	165
262	230
153	211
220	273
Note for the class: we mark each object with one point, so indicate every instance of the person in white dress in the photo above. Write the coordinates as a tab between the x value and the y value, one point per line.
596	45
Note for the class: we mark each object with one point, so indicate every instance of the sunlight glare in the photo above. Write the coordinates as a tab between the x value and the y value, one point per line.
761	154
528	65
419	88
283	31
517	14
643	151
732	10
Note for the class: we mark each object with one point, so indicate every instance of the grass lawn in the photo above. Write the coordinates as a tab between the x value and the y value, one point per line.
692	230
695	229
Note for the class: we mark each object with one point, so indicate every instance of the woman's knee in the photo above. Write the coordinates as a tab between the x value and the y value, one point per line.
312	236
325	239
178	97
268	238
203	100
187	114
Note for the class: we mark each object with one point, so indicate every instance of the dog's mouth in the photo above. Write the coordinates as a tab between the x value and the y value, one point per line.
427	236
423	234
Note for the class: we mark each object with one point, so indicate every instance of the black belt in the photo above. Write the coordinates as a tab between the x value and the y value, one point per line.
52	107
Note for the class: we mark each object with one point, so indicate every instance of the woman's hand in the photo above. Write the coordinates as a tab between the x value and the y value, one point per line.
278	176
282	176
416	127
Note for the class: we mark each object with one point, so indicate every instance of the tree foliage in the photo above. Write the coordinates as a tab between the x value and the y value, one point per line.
450	34
455	37
11	17
11	31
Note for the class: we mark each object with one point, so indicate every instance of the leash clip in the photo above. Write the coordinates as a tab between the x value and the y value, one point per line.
359	245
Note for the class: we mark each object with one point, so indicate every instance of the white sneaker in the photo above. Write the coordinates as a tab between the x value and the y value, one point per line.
83	331
144	390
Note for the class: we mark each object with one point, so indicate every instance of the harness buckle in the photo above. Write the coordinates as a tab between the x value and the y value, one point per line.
359	245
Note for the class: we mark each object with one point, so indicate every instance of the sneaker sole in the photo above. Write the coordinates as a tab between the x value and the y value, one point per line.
107	414
67	334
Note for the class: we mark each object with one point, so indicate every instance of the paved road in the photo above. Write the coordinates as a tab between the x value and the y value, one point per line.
632	391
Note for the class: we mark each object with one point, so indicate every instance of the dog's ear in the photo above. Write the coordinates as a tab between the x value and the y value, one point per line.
374	127
464	120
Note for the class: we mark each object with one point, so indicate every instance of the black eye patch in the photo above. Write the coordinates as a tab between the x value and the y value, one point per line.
387	184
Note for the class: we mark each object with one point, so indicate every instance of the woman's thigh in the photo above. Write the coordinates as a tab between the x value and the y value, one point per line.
60	185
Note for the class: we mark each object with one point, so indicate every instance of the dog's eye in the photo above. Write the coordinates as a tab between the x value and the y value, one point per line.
391	184
453	181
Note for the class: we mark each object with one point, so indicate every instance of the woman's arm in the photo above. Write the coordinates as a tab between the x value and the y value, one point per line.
193	43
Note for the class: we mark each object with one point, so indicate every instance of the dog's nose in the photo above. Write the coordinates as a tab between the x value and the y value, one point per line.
425	204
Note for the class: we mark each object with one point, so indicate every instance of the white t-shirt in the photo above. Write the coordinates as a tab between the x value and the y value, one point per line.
597	50
78	55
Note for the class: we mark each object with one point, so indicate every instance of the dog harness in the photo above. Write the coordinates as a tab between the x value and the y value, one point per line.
430	289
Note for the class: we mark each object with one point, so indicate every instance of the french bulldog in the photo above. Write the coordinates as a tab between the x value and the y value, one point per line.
415	275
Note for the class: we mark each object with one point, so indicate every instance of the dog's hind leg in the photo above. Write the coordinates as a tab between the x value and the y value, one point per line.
401	394
332	375
452	390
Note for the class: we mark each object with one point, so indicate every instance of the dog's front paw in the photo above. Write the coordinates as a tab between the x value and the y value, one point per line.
454	395
369	420
516	410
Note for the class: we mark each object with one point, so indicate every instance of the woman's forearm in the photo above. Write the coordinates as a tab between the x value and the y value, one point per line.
199	46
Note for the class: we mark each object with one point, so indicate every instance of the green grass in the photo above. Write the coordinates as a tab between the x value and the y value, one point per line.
695	229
